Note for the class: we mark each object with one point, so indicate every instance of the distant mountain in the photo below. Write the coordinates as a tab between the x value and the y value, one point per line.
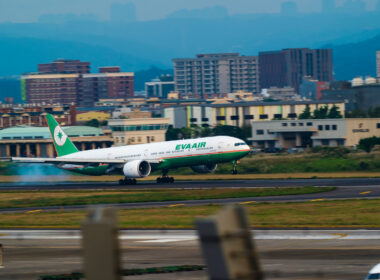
355	59
20	55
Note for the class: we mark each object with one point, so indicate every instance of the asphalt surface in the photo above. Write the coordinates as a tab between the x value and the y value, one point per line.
284	254
345	189
195	184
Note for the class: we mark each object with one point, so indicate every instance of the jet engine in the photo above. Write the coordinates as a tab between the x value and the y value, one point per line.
206	168
137	169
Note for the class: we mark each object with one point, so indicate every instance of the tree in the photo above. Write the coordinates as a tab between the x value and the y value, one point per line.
229	130
374	113
93	123
367	144
334	113
172	134
356	114
321	113
306	114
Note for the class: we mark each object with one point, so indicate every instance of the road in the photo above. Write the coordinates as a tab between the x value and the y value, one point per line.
284	254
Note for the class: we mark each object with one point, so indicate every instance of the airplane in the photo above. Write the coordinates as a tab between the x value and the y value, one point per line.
138	161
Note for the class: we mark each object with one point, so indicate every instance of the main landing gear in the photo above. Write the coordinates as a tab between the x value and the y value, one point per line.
127	181
165	179
234	167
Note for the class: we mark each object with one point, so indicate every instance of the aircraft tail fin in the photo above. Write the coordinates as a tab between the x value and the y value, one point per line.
62	143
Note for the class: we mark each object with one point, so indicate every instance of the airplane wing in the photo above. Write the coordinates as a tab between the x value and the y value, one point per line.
72	160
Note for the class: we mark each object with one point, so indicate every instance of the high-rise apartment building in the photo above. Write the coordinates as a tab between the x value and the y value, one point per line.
160	87
64	66
289	66
216	73
77	88
378	64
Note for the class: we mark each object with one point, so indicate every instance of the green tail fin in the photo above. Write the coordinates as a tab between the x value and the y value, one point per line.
62	143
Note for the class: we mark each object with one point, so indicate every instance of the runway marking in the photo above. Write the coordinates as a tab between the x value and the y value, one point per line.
247	202
167	240
316	200
176	205
34	211
363	193
340	235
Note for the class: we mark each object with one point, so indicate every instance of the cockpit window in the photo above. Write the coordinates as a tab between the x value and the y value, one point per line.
373	276
239	144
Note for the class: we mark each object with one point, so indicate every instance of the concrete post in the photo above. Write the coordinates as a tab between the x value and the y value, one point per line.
104	145
38	150
50	150
8	150
101	245
83	145
17	150
228	246
298	140
28	150
93	146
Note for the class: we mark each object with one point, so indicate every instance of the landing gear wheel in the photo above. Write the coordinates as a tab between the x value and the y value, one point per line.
234	170
165	180
171	180
127	182
121	182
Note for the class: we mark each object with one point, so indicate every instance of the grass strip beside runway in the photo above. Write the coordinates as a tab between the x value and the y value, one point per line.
323	214
21	199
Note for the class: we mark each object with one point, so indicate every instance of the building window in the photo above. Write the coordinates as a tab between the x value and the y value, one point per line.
340	142
378	125
292	115
193	120
320	127
327	127
263	117
260	132
309	124
284	124
204	119
325	142
139	139
278	116
234	118
220	118
334	127
293	124
248	117
300	124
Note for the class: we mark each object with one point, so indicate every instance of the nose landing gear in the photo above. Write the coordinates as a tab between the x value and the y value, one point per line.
234	167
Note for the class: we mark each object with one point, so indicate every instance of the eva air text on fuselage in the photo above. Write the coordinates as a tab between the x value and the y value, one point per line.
190	146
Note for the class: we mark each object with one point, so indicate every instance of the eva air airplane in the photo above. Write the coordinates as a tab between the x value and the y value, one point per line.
138	161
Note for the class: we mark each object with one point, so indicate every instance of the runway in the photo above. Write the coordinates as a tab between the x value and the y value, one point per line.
284	254
195	184
346	189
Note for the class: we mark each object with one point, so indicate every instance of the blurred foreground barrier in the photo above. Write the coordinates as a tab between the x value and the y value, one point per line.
1	256
101	245
228	246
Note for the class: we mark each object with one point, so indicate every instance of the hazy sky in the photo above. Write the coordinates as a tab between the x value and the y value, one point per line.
30	10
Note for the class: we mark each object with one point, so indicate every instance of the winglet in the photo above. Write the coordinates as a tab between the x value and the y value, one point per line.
62	143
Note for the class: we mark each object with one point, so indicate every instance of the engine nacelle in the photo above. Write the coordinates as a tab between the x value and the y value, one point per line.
206	168
137	169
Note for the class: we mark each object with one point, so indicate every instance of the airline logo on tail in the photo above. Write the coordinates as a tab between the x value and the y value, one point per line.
59	136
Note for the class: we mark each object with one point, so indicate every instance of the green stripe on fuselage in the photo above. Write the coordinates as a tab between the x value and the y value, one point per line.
171	163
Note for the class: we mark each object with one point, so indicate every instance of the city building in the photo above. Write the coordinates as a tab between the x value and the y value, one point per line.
138	131
313	132
312	89
77	88
92	115
160	87
241	113
361	97
29	141
34	114
64	66
106	85
280	94
216	74
378	65
289	66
